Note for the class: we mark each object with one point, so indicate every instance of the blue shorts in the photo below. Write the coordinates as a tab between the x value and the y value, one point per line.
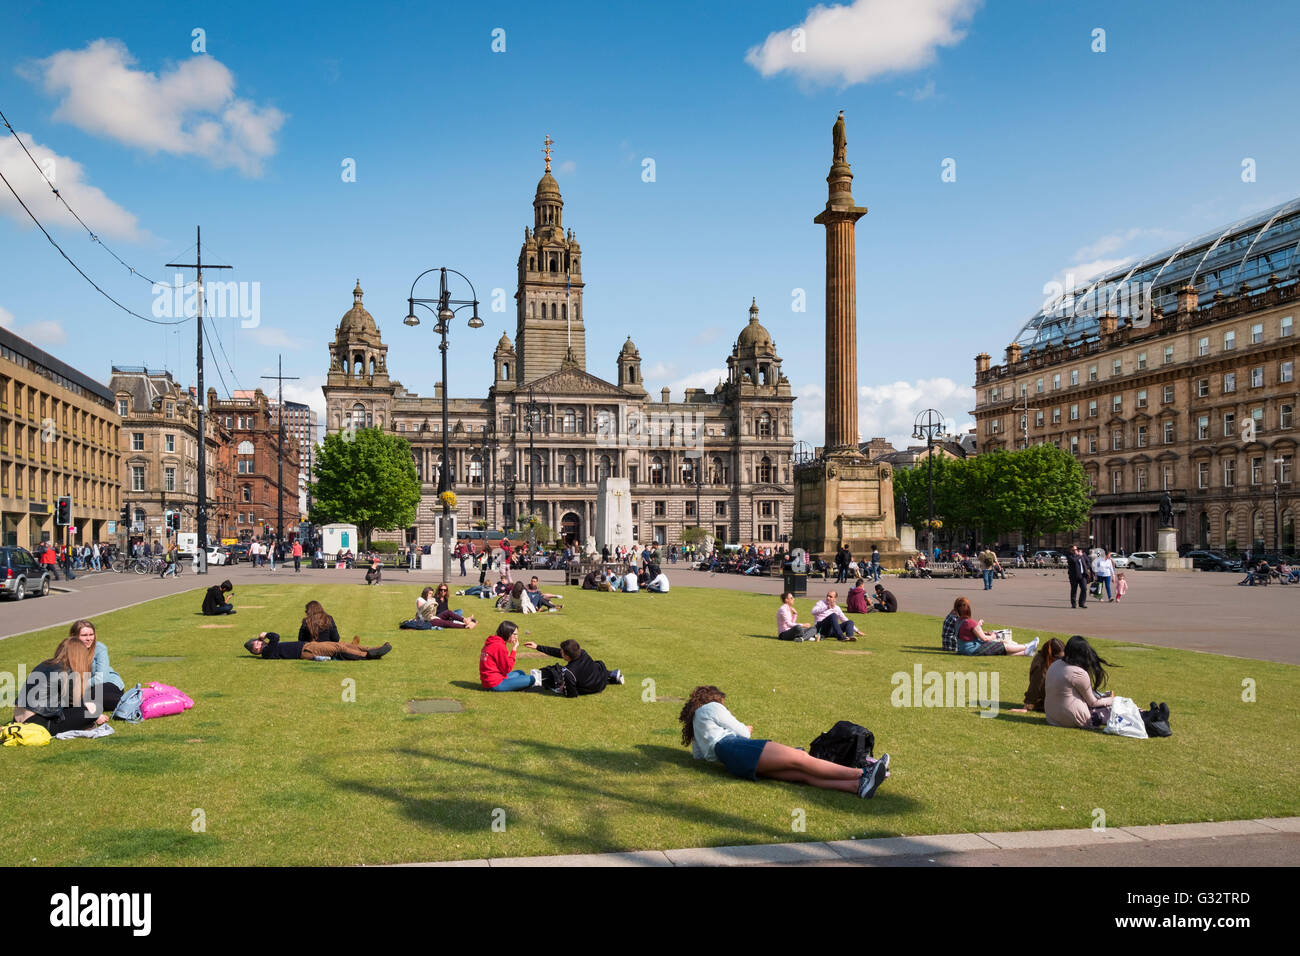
740	755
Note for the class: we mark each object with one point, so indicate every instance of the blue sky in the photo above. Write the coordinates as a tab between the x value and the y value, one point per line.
1066	159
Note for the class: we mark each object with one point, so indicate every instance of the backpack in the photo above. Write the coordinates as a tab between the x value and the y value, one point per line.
24	735
847	744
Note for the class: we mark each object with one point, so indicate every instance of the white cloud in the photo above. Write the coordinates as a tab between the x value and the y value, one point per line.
1097	257
706	379
274	338
888	410
190	109
307	391
47	332
920	93
567	168
101	214
862	41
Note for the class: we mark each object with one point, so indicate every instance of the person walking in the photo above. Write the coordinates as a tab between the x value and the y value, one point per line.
297	555
988	562
1077	567
843	558
875	563
1104	568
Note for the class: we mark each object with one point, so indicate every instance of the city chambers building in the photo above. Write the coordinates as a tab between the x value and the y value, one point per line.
718	459
1172	374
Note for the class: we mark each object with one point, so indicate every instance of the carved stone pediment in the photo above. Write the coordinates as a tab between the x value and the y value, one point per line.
573	381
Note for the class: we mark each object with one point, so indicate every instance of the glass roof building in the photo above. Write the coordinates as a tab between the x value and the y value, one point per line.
1251	251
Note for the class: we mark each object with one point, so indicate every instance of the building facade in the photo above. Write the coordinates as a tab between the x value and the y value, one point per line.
1184	384
262	471
719	459
301	432
58	436
159	450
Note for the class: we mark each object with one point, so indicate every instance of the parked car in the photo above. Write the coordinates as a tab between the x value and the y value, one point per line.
218	555
1212	561
1049	558
1121	561
21	574
1142	560
237	552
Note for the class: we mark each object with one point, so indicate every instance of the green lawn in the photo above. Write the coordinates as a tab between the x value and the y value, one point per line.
286	772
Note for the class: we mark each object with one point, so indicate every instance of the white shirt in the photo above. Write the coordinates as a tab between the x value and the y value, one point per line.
629	582
659	584
711	723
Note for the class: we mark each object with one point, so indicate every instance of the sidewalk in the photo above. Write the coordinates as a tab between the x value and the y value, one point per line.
1266	842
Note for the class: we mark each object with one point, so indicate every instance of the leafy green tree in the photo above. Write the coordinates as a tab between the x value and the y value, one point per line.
1042	490
367	478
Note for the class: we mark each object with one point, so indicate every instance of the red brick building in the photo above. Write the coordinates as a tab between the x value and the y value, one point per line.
250	457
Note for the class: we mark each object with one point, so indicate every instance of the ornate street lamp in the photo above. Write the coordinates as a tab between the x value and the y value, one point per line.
444	313
929	424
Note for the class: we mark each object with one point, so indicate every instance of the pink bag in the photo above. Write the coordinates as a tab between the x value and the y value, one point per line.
163	700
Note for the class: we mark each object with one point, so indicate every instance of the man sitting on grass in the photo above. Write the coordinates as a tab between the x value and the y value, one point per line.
831	620
884	601
268	646
539	598
214	602
579	674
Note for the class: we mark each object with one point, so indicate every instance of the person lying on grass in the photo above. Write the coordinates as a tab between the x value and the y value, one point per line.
59	694
268	646
497	660
1047	655
214	601
579	674
713	733
539	598
971	639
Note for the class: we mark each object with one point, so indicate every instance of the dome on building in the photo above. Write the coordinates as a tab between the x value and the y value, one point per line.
628	347
754	335
357	319
504	344
547	187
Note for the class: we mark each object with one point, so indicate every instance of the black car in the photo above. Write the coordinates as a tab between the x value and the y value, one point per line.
21	574
236	552
1212	561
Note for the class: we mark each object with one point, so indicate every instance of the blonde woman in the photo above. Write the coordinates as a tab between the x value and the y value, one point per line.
59	695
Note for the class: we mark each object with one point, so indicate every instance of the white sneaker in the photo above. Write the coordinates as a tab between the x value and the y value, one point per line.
1031	648
537	677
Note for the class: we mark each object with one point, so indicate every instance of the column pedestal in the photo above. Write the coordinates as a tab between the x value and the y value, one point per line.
1167	558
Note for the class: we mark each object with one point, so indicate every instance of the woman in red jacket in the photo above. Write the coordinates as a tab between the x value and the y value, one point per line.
497	660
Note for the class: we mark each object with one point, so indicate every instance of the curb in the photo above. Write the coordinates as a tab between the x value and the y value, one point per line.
893	848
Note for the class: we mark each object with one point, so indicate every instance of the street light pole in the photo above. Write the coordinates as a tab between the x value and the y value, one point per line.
928	425
445	314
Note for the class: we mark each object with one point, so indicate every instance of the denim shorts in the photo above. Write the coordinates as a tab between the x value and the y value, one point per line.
740	755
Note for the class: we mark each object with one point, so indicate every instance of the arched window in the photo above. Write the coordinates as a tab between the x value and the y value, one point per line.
570	421
1204	530
532	264
1288	531
1257	530
570	470
604	468
537	470
1229	530
717	471
555	266
505	371
553	310
765	425
564	311
656	470
604	423
476	470
765	469
245	448
372	366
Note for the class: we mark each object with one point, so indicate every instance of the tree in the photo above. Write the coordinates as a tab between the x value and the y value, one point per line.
1042	491
367	478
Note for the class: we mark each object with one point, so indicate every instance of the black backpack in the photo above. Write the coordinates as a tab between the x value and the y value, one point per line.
847	744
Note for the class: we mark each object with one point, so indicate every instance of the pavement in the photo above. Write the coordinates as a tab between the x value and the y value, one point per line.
1233	843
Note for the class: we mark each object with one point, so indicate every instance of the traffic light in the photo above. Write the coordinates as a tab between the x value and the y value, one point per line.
174	520
63	512
126	514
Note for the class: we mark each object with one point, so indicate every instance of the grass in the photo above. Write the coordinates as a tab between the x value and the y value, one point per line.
284	771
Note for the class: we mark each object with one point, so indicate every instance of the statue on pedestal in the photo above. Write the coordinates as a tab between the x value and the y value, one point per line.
1166	511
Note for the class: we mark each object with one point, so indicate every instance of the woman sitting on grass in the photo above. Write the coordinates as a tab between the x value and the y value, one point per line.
714	734
1047	655
857	599
971	639
435	610
59	695
317	625
102	676
497	660
1070	689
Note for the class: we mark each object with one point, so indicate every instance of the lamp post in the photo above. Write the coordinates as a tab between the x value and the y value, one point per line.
487	445
929	424
699	482
444	313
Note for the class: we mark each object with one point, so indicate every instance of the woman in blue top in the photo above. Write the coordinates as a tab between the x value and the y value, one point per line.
102	675
714	734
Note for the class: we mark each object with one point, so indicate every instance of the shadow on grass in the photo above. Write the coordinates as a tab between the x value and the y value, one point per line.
573	780
926	649
120	846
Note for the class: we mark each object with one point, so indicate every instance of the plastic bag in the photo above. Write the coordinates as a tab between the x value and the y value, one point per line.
1125	719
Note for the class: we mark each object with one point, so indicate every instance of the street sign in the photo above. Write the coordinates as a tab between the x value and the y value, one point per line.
112	527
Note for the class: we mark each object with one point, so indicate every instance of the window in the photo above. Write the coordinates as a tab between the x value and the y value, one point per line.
1229	425
1056	381
1202	474
765	509
656	470
137	477
1116	440
1141	436
1039	386
1074	445
995	426
1142	360
1169	355
1092	373
1117	367
1229	382
1203	426
1284	475
1074	412
169	443
137	441
690	508
1167	395
1229	472
765	425
171	410
169	479
1286	371
1257	416
1074	376
1257	377
1142	398
1038	419
1116	481
1284	416
765	469
244	448
1141	476
1202	387
123	408
1169	433
245	466
1092	408
1116	403
1284	331
1229	340
661	509
1092	444
1167	479
1256	469
719	509
1203	346
1056	416
1257	333
246	493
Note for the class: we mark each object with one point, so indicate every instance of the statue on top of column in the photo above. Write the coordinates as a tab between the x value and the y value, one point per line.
837	134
